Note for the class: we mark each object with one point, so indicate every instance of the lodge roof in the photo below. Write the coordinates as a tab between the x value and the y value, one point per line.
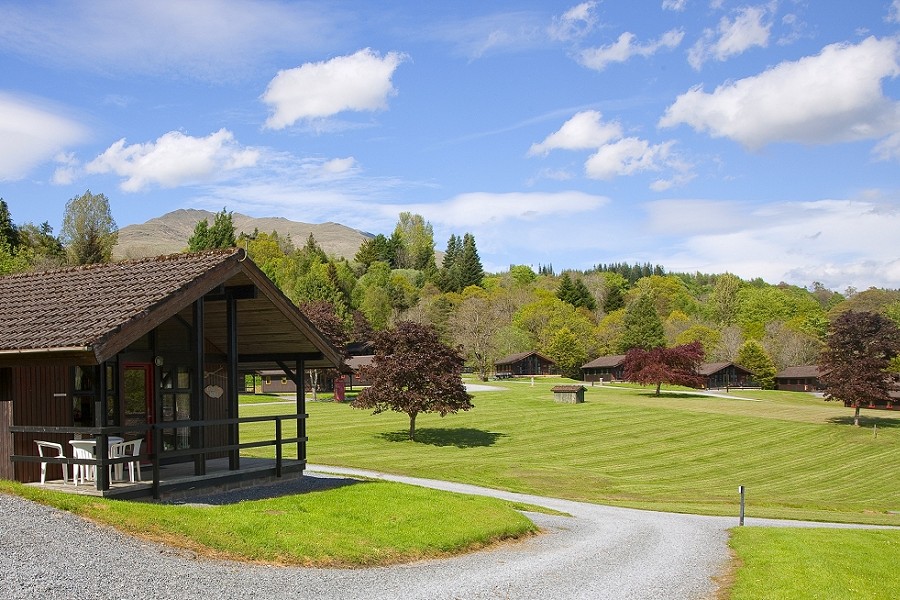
514	358
87	314
707	369
613	360
799	372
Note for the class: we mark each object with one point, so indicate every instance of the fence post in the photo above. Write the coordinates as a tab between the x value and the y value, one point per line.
278	447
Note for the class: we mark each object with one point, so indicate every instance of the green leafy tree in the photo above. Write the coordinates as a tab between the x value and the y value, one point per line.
219	235
567	351
44	250
642	327
708	337
377	249
9	233
89	231
416	247
522	274
858	352
678	365
413	372
372	295
474	326
723	301
753	357
614	297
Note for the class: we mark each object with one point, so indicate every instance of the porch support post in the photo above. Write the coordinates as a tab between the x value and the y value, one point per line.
231	327
198	400
301	410
101	448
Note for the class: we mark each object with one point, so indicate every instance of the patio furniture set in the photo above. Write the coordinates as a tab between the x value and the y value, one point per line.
85	449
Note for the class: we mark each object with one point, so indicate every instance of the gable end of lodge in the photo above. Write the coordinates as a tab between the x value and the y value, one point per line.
152	349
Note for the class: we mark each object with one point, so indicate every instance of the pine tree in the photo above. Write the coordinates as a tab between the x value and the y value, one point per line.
219	235
753	357
471	271
642	326
9	233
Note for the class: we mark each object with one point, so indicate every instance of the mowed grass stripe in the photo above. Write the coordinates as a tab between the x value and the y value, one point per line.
623	446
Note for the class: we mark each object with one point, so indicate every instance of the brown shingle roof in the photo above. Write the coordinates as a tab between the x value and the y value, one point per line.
568	388
799	372
707	369
90	313
605	361
79	306
514	358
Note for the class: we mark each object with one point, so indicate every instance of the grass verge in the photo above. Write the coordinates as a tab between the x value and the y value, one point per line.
778	563
364	524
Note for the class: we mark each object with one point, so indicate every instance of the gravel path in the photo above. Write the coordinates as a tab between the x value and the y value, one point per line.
600	552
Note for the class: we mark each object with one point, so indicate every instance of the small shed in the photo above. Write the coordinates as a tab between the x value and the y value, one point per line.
570	394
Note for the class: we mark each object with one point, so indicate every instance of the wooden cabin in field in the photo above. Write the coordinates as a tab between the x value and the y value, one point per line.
524	364
803	378
604	368
150	349
726	375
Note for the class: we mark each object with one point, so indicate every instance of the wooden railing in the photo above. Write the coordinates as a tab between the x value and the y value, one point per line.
154	452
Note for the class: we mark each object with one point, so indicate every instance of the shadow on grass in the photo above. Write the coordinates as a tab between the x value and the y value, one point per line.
318	482
864	421
462	437
678	395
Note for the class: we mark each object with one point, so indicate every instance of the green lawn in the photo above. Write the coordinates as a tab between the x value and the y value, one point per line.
367	523
827	564
796	454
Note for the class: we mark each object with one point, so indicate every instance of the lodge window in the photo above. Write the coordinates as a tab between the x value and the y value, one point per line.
284	381
83	395
5	384
176	406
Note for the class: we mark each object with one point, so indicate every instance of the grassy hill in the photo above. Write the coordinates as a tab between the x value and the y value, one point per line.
169	233
796	454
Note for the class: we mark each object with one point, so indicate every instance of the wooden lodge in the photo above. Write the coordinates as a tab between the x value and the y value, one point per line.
150	349
726	375
604	368
524	364
804	378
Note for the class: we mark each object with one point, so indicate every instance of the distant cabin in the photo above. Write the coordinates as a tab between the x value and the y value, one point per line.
604	368
524	364
570	394
804	378
725	375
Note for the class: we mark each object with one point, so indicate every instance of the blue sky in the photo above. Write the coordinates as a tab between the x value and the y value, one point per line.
759	138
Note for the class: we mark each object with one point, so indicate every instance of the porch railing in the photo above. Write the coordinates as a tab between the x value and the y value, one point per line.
154	452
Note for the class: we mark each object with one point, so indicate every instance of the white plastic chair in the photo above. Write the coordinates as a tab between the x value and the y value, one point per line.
47	446
131	449
83	449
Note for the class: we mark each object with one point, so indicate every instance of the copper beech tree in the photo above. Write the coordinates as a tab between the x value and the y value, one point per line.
676	366
856	357
413	372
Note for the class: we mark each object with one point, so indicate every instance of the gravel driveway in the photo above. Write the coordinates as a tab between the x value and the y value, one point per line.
600	552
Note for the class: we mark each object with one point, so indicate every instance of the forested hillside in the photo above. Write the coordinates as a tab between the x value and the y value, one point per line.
569	316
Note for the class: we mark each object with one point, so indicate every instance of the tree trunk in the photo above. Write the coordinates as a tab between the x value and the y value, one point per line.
412	426
856	416
658	386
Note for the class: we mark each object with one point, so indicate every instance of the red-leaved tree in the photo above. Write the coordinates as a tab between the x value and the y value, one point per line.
674	366
858	351
413	372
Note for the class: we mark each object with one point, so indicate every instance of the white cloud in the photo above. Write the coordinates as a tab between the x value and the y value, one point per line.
339	166
831	97
626	47
480	208
732	37
586	130
67	171
209	39
888	148
837	242
575	23
893	15
476	37
357	82
173	160
31	134
614	155
676	5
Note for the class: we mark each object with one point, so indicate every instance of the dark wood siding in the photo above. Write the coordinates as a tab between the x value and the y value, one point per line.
41	396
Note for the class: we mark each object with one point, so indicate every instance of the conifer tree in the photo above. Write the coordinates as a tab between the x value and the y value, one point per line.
642	326
753	357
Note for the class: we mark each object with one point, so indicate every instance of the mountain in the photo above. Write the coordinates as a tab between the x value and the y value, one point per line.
169	233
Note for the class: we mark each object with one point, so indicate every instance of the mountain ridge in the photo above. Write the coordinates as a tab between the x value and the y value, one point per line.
169	233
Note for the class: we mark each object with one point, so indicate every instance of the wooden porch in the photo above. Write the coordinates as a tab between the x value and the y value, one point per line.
179	480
